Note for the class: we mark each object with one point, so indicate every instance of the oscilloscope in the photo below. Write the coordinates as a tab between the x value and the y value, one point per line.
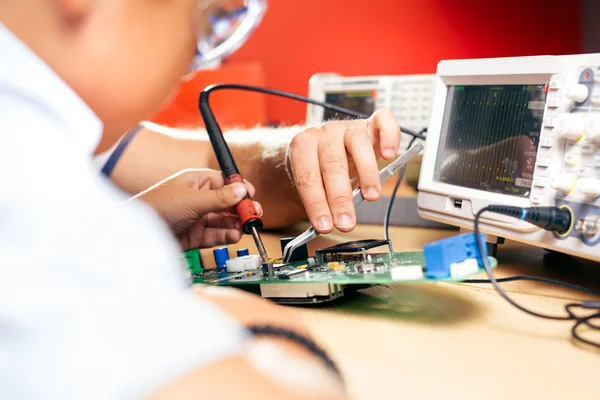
409	97
521	131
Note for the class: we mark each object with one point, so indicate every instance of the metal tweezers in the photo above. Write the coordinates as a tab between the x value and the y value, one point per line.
384	175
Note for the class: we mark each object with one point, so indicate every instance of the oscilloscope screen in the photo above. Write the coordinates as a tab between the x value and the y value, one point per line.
362	102
490	136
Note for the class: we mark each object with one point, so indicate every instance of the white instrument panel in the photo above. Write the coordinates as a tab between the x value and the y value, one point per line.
521	131
409	97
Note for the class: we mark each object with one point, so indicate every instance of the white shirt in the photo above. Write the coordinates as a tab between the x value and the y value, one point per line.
94	303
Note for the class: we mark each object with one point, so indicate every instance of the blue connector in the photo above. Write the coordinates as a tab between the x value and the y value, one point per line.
441	255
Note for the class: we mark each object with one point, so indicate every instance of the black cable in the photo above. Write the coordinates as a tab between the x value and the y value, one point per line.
388	212
297	97
536	279
579	321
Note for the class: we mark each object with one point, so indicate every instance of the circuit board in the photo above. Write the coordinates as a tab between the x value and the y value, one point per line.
312	282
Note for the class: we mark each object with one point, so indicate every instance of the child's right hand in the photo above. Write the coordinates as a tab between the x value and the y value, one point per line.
199	208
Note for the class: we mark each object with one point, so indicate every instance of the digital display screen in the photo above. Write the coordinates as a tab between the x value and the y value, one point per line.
490	136
362	102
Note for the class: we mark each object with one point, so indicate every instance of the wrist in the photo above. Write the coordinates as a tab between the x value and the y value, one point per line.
302	341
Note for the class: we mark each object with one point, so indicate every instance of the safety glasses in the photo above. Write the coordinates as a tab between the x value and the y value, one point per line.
228	24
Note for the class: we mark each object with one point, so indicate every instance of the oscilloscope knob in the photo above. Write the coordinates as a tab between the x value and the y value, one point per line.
570	126
592	128
590	187
563	183
578	93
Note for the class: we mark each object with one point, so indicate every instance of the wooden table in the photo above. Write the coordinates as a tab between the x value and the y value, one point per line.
456	341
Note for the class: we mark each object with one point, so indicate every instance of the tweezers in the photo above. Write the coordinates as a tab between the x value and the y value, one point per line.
384	175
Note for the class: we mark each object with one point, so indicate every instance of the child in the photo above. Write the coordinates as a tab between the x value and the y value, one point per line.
93	301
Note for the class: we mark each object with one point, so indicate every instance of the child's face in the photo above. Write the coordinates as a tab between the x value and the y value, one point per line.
136	52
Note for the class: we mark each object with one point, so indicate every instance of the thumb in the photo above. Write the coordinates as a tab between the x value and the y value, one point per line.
218	200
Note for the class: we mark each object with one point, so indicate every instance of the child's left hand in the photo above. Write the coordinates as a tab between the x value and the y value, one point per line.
198	208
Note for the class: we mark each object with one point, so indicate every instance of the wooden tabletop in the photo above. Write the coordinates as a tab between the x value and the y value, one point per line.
456	341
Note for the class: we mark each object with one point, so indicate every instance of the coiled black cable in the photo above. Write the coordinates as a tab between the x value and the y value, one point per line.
556	224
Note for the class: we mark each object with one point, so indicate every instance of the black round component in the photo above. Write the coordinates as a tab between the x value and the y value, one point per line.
335	253
355	246
300	254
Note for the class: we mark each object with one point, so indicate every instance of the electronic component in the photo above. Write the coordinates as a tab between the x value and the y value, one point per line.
337	252
243	252
281	267
251	262
268	269
444	258
336	266
366	268
379	266
520	132
409	97
235	265
299	253
407	273
194	262
302	293
221	256
294	274
589	227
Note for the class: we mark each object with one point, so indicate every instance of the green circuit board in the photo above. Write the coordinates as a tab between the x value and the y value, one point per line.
381	269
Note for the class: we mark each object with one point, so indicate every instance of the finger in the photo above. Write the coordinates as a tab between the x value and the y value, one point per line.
220	237
360	148
203	178
222	199
222	221
304	162
384	127
207	179
251	188
210	231
334	169
258	208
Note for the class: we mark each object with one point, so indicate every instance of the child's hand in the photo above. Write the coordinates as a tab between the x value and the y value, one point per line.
199	208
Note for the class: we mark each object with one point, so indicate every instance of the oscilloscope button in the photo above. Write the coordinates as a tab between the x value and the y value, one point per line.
555	85
572	159
592	128
578	93
543	162
546	141
553	102
540	182
549	122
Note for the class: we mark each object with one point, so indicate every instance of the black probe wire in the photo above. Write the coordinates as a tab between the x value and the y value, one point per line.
388	212
292	96
571	316
536	279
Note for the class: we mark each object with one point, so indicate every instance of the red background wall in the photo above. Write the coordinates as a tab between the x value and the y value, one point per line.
360	37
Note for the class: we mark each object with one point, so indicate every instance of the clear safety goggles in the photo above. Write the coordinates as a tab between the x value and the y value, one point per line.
227	26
